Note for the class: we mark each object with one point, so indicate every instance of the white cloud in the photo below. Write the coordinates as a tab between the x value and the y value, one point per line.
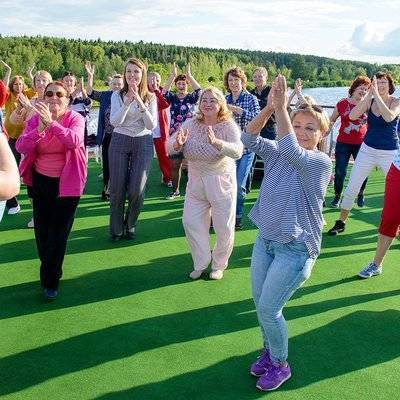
371	41
307	27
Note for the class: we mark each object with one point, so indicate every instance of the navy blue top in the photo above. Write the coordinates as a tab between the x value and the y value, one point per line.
104	98
381	135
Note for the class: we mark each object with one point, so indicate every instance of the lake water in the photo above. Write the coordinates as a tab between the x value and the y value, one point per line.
323	96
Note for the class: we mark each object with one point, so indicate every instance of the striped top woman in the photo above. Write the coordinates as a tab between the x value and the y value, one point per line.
288	213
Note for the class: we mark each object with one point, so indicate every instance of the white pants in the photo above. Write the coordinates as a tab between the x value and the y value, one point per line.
367	159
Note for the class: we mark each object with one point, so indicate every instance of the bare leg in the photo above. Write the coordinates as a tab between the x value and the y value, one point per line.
176	174
384	243
344	214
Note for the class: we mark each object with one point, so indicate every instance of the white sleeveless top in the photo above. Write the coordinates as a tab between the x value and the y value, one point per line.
396	160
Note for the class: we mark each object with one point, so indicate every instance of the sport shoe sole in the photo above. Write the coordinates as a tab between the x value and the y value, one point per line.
14	210
275	387
370	275
195	274
216	275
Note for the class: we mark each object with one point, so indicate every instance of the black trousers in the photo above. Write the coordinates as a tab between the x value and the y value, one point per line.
53	217
13	202
106	164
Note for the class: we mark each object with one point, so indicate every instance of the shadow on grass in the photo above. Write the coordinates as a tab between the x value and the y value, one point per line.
326	352
98	238
105	284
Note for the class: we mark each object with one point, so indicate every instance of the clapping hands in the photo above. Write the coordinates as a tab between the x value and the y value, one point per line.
45	117
279	89
181	138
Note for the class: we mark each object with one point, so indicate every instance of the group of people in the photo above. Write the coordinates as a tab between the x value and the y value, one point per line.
217	137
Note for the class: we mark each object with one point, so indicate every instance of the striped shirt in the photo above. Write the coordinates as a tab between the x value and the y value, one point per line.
289	206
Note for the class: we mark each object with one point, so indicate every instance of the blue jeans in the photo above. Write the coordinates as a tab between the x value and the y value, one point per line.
277	270
243	167
343	151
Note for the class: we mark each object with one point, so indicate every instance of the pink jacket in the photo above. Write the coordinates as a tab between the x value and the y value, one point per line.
70	131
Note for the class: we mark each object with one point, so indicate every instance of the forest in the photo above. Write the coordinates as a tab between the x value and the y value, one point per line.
57	55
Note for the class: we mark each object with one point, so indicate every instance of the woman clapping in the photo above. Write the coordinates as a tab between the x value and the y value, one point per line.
133	115
55	166
211	144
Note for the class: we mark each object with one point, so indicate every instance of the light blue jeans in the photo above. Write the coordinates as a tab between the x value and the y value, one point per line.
243	167
277	270
2	206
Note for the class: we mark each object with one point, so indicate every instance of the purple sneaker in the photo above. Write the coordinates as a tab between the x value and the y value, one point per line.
259	367
274	377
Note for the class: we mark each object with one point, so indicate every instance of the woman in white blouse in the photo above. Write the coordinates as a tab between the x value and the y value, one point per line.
133	115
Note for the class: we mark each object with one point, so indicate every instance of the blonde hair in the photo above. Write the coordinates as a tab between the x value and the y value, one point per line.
224	114
316	112
156	74
45	75
262	70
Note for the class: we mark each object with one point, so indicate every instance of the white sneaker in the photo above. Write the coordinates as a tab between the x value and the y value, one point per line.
31	223
14	210
195	274
217	274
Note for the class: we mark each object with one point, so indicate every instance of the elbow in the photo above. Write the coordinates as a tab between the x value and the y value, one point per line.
114	122
252	130
238	154
389	118
10	188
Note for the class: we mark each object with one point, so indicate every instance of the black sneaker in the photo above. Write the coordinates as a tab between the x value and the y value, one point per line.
238	224
335	201
116	238
50	294
130	234
339	227
360	200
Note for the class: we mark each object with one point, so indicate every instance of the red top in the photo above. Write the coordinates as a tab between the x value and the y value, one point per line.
162	105
3	94
350	132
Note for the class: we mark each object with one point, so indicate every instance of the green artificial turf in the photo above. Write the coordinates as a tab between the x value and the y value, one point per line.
129	324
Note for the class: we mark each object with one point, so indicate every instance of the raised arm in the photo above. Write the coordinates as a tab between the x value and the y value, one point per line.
255	126
192	81
298	89
29	72
9	176
90	74
283	123
7	74
363	106
170	80
388	113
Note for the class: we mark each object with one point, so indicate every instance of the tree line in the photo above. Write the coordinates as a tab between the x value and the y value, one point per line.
57	55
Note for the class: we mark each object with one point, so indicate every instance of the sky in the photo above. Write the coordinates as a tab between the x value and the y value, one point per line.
342	29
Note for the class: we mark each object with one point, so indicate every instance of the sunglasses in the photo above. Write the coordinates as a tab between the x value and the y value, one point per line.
50	93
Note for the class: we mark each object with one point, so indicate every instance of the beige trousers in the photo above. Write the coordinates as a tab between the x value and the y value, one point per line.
210	196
